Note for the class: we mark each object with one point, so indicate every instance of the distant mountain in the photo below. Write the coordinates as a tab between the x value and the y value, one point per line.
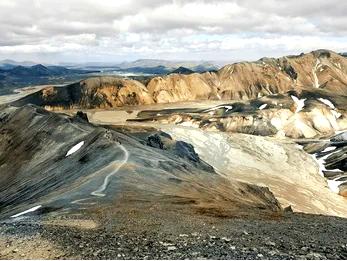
39	70
182	70
147	66
205	68
2	76
33	71
146	63
19	71
12	77
147	70
58	70
8	64
162	70
161	67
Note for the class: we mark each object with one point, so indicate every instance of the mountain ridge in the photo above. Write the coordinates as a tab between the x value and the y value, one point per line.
39	70
320	69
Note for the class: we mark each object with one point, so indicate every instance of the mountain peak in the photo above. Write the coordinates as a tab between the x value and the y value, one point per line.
182	70
323	53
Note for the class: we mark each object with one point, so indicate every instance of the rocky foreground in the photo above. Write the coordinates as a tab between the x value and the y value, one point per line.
171	235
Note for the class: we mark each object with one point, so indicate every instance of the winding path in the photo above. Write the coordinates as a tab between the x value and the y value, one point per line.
101	189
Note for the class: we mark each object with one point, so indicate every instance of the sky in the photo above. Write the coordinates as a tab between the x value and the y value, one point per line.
56	31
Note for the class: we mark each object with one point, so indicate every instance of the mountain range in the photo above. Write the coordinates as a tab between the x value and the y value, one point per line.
9	64
14	76
21	74
38	70
321	70
157	66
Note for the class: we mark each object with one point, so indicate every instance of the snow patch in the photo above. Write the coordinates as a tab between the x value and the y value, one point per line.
298	146
75	148
189	124
300	103
27	211
321	162
335	114
227	107
262	106
334	185
329	149
334	170
327	102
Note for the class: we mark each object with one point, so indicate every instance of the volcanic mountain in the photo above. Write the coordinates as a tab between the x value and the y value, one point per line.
318	70
67	164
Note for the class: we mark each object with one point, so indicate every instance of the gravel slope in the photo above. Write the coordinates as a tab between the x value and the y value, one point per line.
169	235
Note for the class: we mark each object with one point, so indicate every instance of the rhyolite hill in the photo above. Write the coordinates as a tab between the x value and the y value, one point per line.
321	69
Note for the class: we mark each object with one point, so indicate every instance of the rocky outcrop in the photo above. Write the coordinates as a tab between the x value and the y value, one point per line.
282	165
306	114
318	70
331	157
178	87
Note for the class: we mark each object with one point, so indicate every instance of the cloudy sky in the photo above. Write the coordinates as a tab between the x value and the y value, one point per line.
116	30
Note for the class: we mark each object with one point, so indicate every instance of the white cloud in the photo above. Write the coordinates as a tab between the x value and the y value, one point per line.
108	29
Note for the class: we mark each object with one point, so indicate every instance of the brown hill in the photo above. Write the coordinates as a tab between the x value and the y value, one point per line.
95	92
248	80
322	69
